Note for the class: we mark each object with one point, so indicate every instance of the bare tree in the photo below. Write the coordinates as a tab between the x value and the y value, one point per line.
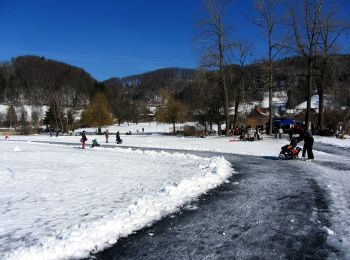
305	27
330	29
215	32
241	50
268	19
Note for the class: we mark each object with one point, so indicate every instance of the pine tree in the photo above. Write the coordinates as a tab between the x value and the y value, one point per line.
11	117
55	118
24	121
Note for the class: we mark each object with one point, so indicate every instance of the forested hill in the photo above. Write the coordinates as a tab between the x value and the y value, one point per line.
36	80
159	78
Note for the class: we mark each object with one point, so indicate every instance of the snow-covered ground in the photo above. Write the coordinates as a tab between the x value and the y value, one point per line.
58	201
345	143
148	128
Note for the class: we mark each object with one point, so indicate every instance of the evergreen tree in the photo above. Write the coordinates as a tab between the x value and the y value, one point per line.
23	121
11	117
55	118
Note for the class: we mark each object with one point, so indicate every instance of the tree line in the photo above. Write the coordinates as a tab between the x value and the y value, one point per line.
302	58
308	29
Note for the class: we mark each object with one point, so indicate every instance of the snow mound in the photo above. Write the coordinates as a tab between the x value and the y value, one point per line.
17	149
79	240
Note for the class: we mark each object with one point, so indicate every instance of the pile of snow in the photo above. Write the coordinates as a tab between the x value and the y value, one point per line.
71	202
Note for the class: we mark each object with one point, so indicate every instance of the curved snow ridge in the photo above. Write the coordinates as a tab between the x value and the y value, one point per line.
95	236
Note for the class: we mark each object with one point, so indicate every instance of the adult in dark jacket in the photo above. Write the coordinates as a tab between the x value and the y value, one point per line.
308	144
118	139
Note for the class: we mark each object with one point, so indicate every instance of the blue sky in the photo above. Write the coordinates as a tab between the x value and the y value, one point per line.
114	37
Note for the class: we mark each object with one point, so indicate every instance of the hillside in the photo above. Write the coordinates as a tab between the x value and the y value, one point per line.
35	80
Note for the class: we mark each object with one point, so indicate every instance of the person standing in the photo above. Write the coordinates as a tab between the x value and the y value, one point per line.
308	144
280	132
107	135
117	138
83	140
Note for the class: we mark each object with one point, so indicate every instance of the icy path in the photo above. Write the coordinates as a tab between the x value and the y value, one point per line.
272	209
61	202
332	171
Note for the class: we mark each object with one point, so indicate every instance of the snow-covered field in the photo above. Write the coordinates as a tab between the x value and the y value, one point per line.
345	143
58	201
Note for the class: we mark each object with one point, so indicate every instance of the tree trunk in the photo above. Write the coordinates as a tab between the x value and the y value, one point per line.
320	121
270	83
222	76
173	127
236	111
309	90
219	128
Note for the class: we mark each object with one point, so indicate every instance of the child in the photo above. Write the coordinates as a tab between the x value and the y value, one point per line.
83	140
95	143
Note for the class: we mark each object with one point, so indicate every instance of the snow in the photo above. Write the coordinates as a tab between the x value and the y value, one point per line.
149	128
336	182
279	98
345	143
59	201
269	146
328	103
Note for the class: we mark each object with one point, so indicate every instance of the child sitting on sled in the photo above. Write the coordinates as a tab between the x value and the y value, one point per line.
95	143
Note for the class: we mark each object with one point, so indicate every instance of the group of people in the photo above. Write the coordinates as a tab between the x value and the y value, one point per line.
94	141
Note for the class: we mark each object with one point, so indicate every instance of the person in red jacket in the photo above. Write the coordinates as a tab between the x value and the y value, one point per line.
83	140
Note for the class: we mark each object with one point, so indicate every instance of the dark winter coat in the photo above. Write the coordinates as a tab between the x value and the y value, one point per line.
308	138
83	137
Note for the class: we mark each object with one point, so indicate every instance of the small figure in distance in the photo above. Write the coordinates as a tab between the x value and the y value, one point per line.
280	132
95	143
117	138
83	140
107	135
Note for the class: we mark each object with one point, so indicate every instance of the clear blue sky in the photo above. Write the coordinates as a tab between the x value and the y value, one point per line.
113	37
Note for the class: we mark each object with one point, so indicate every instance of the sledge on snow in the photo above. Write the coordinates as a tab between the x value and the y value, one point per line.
290	151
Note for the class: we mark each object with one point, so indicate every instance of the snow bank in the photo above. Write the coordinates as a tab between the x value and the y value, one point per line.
62	211
345	143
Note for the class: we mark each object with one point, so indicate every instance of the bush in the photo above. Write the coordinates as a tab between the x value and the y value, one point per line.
192	131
